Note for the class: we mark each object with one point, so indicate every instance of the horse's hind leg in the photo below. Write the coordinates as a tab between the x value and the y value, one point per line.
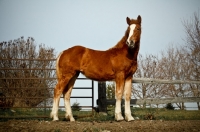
67	94
56	100
62	83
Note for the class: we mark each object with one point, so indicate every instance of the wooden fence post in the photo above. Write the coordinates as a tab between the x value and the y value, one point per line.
101	101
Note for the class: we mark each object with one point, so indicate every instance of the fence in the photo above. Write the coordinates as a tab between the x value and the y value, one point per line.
30	86
25	86
102	102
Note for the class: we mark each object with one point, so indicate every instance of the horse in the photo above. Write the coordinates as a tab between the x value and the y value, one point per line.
118	64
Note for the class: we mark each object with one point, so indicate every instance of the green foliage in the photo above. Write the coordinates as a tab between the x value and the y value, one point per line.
110	91
75	106
169	106
57	130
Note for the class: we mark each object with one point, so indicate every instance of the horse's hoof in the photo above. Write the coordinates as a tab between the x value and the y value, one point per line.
72	120
55	120
128	117
119	117
70	117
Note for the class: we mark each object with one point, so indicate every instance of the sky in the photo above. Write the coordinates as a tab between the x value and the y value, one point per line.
99	25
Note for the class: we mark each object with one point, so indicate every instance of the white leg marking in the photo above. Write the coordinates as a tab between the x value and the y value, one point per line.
67	98
69	114
118	113
127	97
54	113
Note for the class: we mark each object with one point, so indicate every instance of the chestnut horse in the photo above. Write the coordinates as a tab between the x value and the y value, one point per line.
118	63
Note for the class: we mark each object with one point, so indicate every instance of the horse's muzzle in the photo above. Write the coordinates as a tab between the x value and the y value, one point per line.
130	44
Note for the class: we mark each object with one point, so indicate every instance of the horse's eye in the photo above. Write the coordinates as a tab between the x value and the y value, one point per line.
138	28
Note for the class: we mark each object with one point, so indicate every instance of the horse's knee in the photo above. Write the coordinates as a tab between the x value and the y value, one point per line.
127	97
118	94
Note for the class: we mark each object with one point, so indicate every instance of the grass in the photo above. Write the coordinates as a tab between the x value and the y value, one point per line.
163	114
141	113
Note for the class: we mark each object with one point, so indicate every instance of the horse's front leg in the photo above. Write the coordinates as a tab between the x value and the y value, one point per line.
127	97
118	95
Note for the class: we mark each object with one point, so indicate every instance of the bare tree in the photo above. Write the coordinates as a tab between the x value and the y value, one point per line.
148	67
175	63
174	66
192	29
23	72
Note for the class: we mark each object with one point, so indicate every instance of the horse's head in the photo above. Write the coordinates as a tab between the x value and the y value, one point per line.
133	32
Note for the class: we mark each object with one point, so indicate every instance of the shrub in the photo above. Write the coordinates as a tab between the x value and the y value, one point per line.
169	106
75	106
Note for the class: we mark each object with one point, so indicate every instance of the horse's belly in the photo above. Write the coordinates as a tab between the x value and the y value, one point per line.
98	74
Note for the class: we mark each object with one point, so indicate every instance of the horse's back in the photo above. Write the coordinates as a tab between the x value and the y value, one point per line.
97	65
93	64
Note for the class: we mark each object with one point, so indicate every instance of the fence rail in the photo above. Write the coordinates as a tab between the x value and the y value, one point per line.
14	78
15	59
157	100
162	81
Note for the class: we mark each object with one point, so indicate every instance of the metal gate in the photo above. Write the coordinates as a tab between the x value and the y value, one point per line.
27	92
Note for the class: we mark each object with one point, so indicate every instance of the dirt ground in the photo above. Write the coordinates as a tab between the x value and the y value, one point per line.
107	126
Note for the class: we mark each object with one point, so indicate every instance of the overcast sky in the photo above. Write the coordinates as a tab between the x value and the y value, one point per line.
99	25
61	24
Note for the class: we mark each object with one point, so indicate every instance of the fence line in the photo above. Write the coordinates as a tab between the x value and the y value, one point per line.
9	79
157	100
102	102
162	81
15	59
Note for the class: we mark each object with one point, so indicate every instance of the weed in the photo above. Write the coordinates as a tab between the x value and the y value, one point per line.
57	130
92	129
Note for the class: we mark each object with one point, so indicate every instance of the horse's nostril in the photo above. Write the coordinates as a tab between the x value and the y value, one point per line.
131	42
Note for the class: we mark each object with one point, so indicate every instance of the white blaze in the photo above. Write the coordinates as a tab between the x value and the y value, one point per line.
132	27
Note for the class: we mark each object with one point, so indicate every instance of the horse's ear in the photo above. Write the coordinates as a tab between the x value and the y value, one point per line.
139	19
128	20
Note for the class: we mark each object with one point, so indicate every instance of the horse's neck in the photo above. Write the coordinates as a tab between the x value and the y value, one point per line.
132	53
135	51
120	44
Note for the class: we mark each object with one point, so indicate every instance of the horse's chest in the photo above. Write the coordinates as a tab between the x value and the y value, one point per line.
126	65
130	68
